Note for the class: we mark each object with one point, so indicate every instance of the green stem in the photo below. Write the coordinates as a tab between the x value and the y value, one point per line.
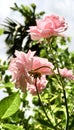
66	104
61	83
67	118
42	104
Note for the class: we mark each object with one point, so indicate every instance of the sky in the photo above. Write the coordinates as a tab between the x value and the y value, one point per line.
63	8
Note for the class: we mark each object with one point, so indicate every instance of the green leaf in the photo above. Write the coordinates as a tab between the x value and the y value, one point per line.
12	127
44	122
1	31
7	85
9	105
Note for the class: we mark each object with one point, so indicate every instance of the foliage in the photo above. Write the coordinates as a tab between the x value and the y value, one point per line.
51	97
1	31
46	111
17	36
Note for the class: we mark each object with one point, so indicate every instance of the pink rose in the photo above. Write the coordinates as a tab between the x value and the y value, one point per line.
41	84
49	26
42	65
66	73
19	68
25	66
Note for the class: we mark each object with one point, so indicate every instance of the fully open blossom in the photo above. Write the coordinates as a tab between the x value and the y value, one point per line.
19	68
25	66
66	73
49	26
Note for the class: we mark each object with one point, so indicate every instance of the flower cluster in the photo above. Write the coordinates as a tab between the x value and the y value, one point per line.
50	26
26	67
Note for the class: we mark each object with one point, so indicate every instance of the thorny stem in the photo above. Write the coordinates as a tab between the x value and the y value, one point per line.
64	92
42	104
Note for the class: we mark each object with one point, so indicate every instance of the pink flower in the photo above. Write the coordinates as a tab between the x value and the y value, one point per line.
49	26
25	66
66	73
19	68
42	65
41	84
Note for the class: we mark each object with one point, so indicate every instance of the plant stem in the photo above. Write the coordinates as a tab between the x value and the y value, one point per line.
67	118
50	123
66	105
62	85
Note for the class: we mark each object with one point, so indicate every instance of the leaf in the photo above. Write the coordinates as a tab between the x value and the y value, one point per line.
9	105
45	123
1	31
12	127
7	85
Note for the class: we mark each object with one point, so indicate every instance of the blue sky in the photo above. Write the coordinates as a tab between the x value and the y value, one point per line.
60	7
